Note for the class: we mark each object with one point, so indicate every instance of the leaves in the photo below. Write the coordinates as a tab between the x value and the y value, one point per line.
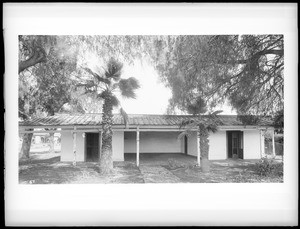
186	133
125	117
40	49
198	106
128	87
249	119
278	121
114	101
246	69
108	96
208	122
188	123
97	77
114	69
44	88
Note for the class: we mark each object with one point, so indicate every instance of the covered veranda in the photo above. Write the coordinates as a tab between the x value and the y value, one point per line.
81	131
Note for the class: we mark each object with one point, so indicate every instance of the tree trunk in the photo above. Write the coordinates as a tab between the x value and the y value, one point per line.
51	143
27	137
204	149
105	160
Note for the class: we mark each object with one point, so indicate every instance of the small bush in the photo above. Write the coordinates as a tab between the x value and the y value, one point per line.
269	167
278	169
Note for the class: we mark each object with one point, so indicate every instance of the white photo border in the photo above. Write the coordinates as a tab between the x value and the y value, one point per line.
150	204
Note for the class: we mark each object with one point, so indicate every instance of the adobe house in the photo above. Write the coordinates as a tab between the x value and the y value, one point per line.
81	136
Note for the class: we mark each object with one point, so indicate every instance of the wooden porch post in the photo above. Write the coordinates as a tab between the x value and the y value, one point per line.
198	148
74	145
137	146
262	143
273	143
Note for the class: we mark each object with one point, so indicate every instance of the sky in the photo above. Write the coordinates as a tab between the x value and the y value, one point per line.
153	96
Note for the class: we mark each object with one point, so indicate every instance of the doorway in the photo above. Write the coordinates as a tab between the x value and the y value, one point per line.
185	145
235	144
92	147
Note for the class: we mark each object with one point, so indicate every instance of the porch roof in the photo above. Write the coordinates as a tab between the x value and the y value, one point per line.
134	119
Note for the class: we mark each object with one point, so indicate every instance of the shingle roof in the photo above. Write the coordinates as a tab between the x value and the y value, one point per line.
134	119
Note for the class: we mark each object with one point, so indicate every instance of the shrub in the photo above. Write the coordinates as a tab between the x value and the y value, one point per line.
278	169
269	167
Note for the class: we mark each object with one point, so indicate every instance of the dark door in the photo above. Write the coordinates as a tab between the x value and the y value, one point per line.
241	145
185	145
235	144
92	147
229	144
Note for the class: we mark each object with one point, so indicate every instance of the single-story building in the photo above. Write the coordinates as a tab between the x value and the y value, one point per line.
81	136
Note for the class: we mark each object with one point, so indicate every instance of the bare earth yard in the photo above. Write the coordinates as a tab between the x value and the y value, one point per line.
44	168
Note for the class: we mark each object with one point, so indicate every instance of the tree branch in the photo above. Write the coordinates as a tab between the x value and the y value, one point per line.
256	56
38	56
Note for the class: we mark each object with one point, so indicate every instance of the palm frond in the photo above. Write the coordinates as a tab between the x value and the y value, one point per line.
210	123
186	123
125	117
89	87
212	128
197	106
114	69
103	94
88	91
216	112
187	133
215	119
106	95
114	86
128	87
114	101
87	84
96	76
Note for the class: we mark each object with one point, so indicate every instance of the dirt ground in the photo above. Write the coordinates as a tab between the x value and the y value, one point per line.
159	168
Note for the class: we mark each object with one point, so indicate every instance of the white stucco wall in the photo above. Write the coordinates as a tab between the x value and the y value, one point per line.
162	142
192	144
118	146
252	144
217	146
153	142
37	139
67	147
